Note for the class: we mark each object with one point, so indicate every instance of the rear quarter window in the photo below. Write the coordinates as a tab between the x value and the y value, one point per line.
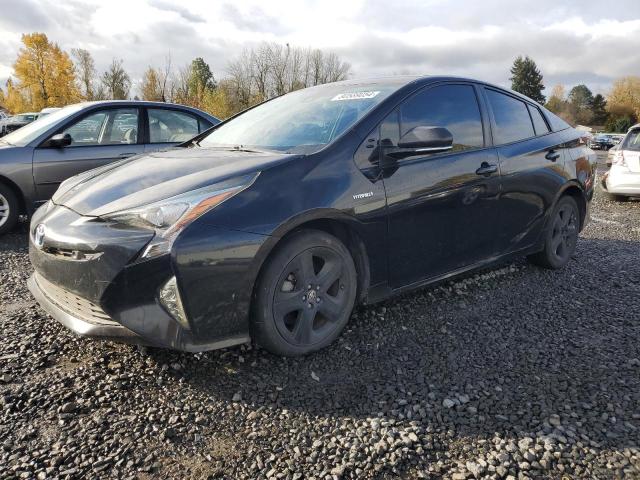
539	124
555	121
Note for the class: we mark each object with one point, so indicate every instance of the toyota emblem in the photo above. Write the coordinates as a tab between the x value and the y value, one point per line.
38	236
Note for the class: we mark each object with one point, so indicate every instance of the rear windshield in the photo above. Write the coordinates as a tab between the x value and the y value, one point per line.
632	141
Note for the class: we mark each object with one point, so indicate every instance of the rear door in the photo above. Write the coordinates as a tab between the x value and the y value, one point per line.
531	165
441	206
101	136
167	127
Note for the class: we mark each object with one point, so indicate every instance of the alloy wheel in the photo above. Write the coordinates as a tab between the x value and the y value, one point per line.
565	232
311	296
4	210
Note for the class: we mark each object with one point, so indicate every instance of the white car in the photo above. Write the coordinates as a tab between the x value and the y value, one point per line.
623	179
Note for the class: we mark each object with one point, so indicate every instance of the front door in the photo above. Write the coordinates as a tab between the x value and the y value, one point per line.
100	137
441	206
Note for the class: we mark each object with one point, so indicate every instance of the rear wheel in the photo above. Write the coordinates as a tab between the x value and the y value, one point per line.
9	209
305	294
561	237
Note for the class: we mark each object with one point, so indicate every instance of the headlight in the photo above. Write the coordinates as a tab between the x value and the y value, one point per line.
170	216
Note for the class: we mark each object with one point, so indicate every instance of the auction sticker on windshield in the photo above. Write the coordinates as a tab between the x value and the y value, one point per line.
354	96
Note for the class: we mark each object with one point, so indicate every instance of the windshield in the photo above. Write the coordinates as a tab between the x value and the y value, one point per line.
25	135
303	121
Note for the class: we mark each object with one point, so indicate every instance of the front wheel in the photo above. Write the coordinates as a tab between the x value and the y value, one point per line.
305	294
9	209
561	237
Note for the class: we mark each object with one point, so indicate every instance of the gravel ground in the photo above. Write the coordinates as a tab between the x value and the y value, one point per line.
513	373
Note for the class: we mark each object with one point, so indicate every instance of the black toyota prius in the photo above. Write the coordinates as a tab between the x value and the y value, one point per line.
272	225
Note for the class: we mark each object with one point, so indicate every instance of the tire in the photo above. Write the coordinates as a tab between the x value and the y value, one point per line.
561	236
9	209
305	294
617	198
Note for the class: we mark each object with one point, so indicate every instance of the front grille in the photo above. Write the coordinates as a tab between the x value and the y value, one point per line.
73	304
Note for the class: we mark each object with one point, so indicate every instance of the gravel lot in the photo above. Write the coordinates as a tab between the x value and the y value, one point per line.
513	373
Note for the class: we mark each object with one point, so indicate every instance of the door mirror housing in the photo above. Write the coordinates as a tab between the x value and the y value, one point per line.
60	140
427	139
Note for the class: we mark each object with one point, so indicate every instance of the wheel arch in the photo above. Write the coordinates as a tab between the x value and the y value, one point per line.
17	191
332	222
574	190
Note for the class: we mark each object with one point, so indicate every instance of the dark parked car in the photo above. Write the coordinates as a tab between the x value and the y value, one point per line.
274	224
17	121
601	142
37	158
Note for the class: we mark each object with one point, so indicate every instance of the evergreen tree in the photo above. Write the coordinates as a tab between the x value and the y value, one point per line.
527	79
581	103
599	109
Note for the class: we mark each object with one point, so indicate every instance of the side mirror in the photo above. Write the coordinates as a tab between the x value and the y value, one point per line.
427	139
59	141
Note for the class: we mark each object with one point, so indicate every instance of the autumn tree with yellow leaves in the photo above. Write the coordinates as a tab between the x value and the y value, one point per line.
45	73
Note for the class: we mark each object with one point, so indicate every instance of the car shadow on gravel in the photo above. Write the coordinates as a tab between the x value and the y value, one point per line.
514	350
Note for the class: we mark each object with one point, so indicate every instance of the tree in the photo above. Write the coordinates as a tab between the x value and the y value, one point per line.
619	124
14	100
599	109
86	69
624	98
116	81
272	69
151	89
201	77
45	73
526	79
557	101
580	104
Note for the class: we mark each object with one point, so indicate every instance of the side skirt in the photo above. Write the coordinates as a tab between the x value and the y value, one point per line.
383	292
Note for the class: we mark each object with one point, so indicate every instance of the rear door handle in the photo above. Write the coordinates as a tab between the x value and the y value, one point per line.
126	155
552	155
486	169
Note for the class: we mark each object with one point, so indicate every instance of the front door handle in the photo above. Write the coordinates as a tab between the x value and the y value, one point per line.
552	155
486	169
126	155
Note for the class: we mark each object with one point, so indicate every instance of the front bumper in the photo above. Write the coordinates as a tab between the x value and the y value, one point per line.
87	278
77	314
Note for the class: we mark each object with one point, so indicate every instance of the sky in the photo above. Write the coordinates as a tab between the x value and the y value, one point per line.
571	41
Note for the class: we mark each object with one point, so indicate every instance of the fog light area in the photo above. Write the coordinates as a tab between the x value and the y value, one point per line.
170	299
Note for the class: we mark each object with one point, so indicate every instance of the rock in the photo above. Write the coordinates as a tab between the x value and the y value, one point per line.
554	420
69	407
448	403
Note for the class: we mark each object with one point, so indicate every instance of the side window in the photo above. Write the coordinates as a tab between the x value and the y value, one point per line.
171	126
454	107
105	127
539	124
511	116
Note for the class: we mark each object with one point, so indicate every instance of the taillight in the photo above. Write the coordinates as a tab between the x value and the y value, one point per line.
619	160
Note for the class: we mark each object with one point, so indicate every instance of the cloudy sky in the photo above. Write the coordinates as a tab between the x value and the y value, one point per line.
571	41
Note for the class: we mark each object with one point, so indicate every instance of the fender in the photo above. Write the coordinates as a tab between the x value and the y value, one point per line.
560	193
290	225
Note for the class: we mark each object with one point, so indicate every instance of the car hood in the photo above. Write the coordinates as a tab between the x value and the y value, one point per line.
156	176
